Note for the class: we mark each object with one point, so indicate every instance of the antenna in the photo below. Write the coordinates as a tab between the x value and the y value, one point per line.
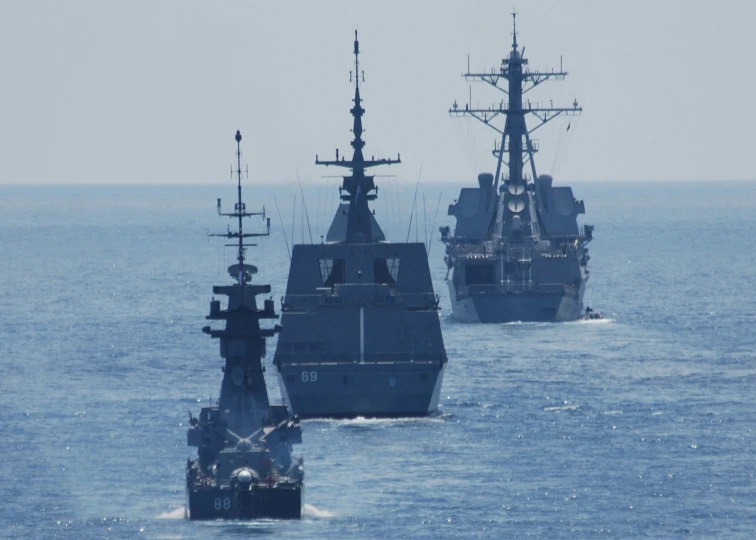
282	227
514	30
425	222
239	209
438	205
240	271
304	204
357	188
414	201
356	61
293	218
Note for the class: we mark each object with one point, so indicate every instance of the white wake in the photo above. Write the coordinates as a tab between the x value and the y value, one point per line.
178	513
312	511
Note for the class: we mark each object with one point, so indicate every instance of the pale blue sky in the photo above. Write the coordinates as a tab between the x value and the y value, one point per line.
152	92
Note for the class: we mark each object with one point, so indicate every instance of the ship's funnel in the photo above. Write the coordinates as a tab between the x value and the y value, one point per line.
485	181
545	180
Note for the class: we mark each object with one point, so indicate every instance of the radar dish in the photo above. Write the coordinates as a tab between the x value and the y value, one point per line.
249	268
516	189
516	205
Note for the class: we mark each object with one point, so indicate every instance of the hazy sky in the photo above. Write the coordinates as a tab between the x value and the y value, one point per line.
153	91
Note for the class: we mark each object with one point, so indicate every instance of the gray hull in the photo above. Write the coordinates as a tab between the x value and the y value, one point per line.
364	389
273	502
360	347
512	307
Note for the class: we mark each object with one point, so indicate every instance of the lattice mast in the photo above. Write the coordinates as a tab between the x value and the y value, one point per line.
516	142
358	188
242	272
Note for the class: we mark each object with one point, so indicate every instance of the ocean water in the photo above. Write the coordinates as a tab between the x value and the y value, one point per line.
639	425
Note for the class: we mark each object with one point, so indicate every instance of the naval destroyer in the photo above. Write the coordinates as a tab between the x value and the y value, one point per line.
244	468
361	332
517	252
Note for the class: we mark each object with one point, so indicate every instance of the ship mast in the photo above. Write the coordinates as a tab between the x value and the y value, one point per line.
241	272
516	142
358	188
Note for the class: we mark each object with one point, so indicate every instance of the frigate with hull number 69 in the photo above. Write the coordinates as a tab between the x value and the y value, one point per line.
245	468
361	332
517	252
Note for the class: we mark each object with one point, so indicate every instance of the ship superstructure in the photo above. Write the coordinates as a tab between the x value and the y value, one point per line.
245	468
362	336
517	252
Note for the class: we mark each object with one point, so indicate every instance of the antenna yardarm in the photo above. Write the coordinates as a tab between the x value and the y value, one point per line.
240	211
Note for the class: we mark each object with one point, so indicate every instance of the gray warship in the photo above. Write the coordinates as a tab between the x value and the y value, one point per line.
244	468
362	335
517	252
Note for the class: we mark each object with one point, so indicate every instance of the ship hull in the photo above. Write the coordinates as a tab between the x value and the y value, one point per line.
275	502
503	307
364	389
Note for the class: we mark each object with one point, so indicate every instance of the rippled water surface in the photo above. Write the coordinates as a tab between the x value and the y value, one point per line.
639	425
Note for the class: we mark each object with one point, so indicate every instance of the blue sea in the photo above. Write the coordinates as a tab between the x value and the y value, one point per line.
639	425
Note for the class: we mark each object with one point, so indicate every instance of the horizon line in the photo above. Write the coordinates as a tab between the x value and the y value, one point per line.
409	182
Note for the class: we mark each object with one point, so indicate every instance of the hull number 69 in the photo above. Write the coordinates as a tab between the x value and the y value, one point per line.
309	376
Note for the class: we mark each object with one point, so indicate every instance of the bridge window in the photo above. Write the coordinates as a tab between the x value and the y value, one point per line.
385	271
331	271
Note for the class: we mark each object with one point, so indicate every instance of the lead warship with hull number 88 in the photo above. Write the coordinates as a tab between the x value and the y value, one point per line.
245	468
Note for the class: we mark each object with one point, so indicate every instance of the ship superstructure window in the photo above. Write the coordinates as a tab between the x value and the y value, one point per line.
385	271
479	274
331	271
